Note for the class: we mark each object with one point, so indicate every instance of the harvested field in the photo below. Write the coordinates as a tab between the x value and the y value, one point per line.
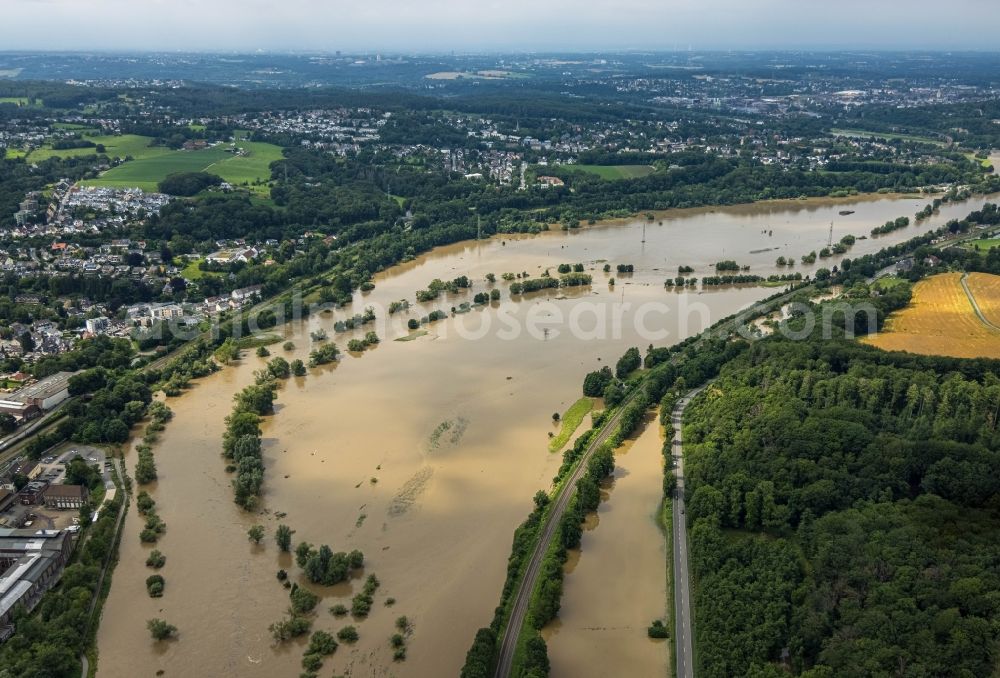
986	289
940	319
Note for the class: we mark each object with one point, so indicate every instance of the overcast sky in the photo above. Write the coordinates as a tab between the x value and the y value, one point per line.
491	25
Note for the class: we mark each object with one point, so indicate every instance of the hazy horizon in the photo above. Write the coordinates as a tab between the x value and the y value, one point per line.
439	26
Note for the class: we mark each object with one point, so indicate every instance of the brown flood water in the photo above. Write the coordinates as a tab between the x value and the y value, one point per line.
452	429
616	583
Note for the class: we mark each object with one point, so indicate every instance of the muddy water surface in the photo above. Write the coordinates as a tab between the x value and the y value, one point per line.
616	585
424	454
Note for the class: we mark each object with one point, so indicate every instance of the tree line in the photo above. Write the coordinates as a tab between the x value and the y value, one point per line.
825	480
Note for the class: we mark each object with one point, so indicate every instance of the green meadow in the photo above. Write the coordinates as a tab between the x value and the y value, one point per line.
889	282
192	272
984	245
985	162
114	146
252	169
613	172
888	136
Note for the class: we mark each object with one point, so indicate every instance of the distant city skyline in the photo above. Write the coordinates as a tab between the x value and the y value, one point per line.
493	25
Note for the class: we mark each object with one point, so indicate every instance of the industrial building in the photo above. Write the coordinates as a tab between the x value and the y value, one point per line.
31	563
44	394
21	412
65	496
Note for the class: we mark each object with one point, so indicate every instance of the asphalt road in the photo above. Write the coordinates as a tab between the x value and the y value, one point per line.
523	593
683	639
522	596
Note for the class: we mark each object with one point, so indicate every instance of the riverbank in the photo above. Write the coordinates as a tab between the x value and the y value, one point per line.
374	416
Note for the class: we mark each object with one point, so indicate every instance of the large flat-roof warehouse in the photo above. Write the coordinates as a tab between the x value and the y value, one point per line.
46	393
31	562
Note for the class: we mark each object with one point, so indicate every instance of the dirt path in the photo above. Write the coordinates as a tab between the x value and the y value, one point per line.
975	306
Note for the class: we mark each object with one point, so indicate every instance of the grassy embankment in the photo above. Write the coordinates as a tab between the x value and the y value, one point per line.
571	421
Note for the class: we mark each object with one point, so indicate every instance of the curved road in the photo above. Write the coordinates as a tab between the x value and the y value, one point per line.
683	638
522	597
975	305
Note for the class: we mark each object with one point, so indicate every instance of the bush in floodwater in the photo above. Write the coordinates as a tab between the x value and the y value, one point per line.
290	627
356	559
156	560
256	533
361	605
323	566
160	630
303	600
144	502
283	537
154	585
348	634
322	643
312	662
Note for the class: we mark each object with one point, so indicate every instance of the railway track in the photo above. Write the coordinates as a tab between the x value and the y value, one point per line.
522	598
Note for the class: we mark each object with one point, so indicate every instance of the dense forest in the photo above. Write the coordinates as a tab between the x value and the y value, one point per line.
844	513
843	501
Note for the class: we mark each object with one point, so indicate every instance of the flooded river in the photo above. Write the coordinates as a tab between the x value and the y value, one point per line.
425	454
616	582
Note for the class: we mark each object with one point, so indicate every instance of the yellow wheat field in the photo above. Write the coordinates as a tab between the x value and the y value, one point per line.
986	289
940	319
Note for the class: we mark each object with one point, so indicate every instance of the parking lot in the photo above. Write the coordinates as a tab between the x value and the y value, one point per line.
54	465
53	470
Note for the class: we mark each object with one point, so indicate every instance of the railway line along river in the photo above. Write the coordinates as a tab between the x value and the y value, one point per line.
616	584
424	454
